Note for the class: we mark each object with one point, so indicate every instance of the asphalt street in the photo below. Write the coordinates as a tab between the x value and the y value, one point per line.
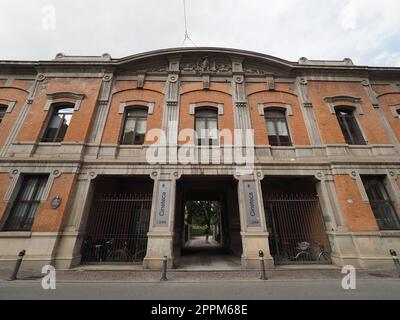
216	290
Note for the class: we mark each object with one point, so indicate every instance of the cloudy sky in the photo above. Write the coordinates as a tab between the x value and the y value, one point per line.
368	31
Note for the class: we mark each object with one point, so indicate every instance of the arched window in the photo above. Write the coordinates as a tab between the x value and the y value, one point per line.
206	126
277	126
350	128
3	110
58	125
135	126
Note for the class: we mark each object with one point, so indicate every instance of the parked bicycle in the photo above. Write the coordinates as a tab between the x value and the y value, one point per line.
309	252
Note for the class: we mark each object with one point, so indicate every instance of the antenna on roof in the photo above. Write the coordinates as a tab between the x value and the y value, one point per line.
186	37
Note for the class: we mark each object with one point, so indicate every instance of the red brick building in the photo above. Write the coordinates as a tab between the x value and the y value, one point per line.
76	185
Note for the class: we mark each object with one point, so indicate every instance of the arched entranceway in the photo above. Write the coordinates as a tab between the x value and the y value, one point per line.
224	247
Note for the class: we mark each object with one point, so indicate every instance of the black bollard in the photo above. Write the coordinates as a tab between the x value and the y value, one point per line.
17	265
263	276
164	269
396	261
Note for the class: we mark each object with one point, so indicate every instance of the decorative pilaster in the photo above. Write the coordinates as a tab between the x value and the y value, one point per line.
161	229
171	106
242	114
307	111
373	96
102	109
21	117
70	243
252	220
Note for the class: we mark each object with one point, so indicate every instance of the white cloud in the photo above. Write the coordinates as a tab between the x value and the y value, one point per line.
328	29
387	58
348	16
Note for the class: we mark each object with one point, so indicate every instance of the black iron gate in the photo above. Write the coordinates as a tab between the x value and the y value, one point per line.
117	228
296	229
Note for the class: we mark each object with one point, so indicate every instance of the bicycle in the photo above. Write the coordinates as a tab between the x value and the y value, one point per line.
122	254
310	252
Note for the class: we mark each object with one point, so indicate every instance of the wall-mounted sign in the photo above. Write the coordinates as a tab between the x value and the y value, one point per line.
252	207
162	208
56	202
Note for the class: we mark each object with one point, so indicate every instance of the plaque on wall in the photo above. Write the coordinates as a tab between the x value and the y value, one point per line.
252	207
163	197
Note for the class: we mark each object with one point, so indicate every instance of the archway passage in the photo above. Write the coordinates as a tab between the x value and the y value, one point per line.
207	204
202	224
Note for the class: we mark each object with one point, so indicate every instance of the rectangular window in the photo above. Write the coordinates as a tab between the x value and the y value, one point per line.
206	126
24	208
58	124
277	127
135	126
350	128
381	204
3	110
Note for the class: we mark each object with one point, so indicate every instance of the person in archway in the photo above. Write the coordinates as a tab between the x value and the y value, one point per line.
207	233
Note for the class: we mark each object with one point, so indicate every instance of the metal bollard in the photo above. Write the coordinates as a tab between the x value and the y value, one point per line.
17	265
164	269
263	276
395	260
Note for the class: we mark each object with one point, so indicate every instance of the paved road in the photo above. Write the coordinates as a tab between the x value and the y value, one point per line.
232	290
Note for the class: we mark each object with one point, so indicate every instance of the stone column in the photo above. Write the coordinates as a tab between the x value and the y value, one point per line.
161	229
252	220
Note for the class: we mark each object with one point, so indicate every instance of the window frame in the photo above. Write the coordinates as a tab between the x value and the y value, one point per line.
3	114
54	111
41	182
377	204
274	121
124	120
350	114
199	140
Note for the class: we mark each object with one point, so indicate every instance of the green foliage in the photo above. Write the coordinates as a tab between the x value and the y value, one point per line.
198	231
203	213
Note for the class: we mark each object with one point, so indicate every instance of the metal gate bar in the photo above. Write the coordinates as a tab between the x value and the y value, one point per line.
117	228
296	229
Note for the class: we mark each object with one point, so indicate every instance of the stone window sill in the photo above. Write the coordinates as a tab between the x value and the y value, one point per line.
15	234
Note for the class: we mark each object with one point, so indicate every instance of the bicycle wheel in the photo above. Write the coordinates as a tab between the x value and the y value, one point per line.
324	256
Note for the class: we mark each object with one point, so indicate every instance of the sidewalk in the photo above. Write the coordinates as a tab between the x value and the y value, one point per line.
118	274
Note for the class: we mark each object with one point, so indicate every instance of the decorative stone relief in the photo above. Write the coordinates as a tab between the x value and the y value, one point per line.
270	83
205	64
302	92
40	77
371	94
206	82
140	80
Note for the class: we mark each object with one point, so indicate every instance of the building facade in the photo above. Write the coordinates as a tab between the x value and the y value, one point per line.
99	155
